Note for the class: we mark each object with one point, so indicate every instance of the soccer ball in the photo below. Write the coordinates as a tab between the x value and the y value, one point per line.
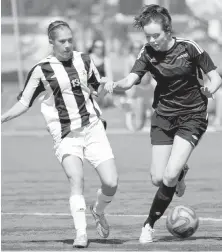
182	221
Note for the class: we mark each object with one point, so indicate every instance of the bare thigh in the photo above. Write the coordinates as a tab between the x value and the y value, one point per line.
160	157
73	168
108	176
181	151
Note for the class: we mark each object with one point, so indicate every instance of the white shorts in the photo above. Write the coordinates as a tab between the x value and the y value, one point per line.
90	143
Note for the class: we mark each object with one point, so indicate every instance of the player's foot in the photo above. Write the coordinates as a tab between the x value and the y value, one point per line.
101	223
81	240
181	186
146	235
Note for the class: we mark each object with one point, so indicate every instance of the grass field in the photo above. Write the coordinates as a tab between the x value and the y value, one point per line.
35	191
35	210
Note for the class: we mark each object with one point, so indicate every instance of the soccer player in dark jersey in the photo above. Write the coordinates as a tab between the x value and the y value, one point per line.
180	103
73	119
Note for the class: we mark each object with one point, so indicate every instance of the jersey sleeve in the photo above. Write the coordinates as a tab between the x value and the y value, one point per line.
141	65
200	57
93	76
33	87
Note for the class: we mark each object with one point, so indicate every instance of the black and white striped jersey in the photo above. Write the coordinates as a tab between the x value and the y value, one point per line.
177	73
67	101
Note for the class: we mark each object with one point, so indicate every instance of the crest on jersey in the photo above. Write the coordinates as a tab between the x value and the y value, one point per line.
75	82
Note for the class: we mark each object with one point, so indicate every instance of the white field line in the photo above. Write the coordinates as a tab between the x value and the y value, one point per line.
111	215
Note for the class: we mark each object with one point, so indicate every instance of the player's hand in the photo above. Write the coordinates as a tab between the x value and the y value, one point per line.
103	80
109	86
207	92
95	93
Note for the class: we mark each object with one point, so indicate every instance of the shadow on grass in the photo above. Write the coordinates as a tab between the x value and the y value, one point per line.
70	241
108	241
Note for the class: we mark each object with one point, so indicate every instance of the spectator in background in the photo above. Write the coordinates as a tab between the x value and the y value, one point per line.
138	99
97	52
134	50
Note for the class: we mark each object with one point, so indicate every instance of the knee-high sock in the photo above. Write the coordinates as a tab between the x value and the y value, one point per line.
78	209
160	203
101	202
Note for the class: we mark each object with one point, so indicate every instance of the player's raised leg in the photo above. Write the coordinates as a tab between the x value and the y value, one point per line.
109	179
180	153
73	168
99	153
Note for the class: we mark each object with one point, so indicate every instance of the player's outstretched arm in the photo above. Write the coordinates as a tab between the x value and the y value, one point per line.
122	85
17	110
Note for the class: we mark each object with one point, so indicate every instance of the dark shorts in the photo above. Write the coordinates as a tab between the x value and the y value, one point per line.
190	127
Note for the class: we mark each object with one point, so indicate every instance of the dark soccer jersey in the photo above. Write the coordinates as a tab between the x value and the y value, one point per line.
177	73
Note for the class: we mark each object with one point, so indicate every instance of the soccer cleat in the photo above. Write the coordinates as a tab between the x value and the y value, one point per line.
81	240
101	223
181	186
146	235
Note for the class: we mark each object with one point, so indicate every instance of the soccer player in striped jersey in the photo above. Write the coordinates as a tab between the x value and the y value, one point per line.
68	79
180	104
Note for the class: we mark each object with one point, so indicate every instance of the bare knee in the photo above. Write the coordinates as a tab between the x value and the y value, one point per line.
111	183
109	186
156	180
171	174
170	178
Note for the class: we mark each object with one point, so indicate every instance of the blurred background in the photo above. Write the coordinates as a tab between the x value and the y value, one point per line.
107	24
